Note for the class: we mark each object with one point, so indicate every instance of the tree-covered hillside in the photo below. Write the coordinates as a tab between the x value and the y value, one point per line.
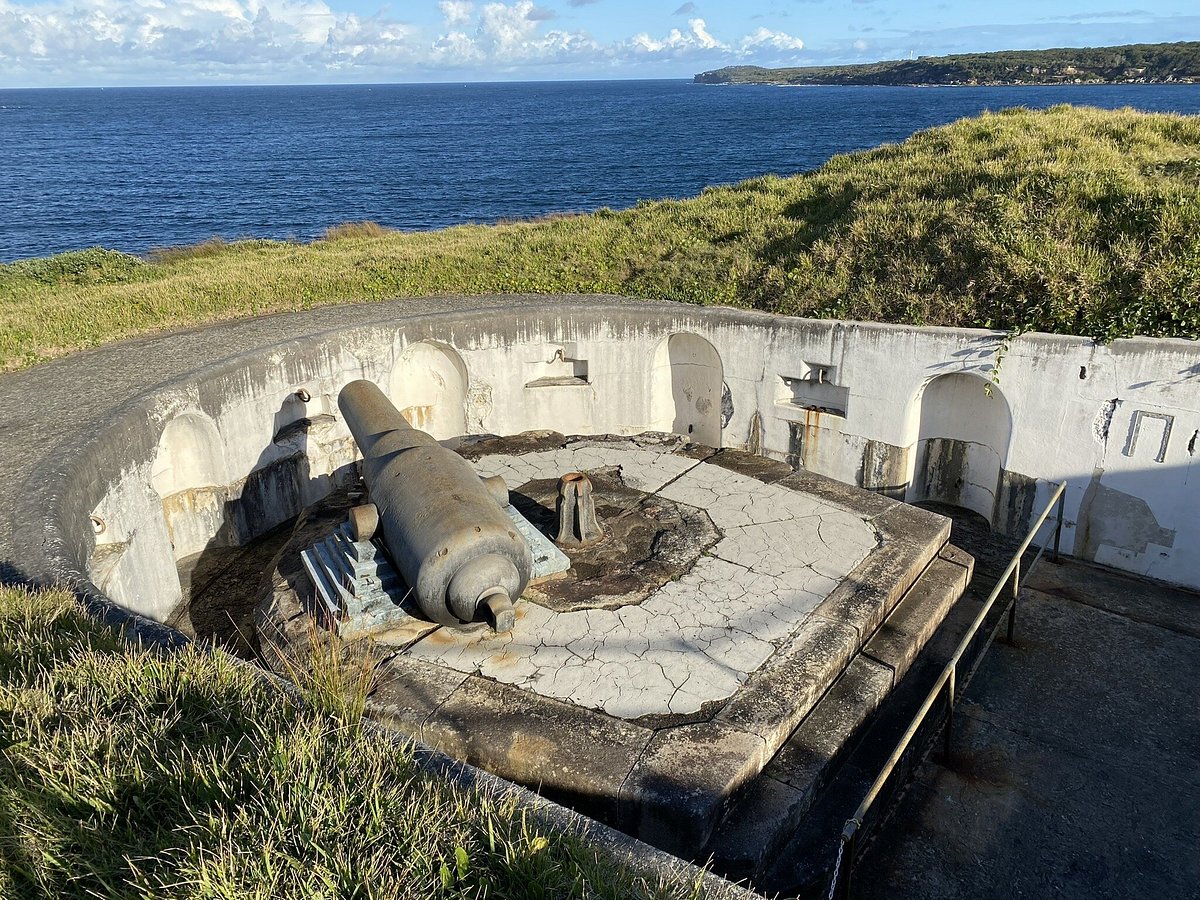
1129	64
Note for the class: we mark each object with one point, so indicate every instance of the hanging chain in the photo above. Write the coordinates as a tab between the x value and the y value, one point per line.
837	870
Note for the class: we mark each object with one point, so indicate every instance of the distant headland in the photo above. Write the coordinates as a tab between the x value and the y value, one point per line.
1177	63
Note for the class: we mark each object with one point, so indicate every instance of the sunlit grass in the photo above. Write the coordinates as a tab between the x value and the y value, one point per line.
354	230
1071	220
126	773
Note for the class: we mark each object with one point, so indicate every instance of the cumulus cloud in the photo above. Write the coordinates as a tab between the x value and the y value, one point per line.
156	41
764	38
700	32
456	12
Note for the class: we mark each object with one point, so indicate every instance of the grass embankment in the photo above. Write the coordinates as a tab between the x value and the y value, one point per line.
1072	220
129	774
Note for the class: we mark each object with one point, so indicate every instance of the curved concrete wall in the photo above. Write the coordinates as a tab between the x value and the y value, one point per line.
220	454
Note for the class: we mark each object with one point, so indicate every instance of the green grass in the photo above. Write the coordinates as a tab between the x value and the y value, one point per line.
1070	220
126	773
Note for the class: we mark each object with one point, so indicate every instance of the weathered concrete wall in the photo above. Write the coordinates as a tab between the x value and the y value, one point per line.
962	443
230	450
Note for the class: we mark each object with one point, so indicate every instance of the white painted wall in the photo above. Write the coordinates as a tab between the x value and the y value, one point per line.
1124	434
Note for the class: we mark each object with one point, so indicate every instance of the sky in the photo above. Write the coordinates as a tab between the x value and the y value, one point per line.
49	43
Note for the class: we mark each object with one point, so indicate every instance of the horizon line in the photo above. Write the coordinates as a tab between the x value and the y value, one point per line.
586	79
251	84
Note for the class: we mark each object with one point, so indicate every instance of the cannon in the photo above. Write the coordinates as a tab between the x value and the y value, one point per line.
443	526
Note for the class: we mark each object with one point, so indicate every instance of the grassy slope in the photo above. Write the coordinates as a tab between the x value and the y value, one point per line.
1070	220
125	774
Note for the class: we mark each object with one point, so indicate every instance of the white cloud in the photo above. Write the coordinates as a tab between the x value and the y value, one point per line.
766	39
163	41
703	38
456	12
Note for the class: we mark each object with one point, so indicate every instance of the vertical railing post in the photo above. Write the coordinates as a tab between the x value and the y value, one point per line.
1058	525
1012	606
843	873
948	739
843	870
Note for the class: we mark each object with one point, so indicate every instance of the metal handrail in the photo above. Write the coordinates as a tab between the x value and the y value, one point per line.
947	681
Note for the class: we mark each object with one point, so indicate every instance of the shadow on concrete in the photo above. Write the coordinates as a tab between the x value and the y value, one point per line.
224	583
1076	771
12	575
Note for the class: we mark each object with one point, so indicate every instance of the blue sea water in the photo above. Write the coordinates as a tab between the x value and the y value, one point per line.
138	168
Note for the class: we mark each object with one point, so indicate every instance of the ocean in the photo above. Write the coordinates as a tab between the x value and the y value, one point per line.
137	168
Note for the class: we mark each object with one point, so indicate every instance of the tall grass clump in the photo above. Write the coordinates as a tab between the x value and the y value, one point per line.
1071	220
214	246
127	773
349	230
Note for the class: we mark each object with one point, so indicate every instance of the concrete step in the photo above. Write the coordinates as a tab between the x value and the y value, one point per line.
912	539
348	586
336	567
794	780
803	864
905	632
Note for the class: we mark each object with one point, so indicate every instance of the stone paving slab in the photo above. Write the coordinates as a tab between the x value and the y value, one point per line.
686	781
911	538
790	686
408	691
813	755
901	637
641	469
790	782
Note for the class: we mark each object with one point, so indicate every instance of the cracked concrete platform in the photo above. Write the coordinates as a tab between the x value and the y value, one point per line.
654	713
693	641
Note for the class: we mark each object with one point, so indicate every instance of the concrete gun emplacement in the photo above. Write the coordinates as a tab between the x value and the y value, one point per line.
443	526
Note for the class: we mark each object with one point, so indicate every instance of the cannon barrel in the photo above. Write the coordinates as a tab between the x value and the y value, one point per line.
441	524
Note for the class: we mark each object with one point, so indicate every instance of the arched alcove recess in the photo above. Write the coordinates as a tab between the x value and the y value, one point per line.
429	387
189	474
962	443
190	455
685	384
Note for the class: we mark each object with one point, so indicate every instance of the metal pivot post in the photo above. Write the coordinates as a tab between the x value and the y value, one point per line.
577	525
